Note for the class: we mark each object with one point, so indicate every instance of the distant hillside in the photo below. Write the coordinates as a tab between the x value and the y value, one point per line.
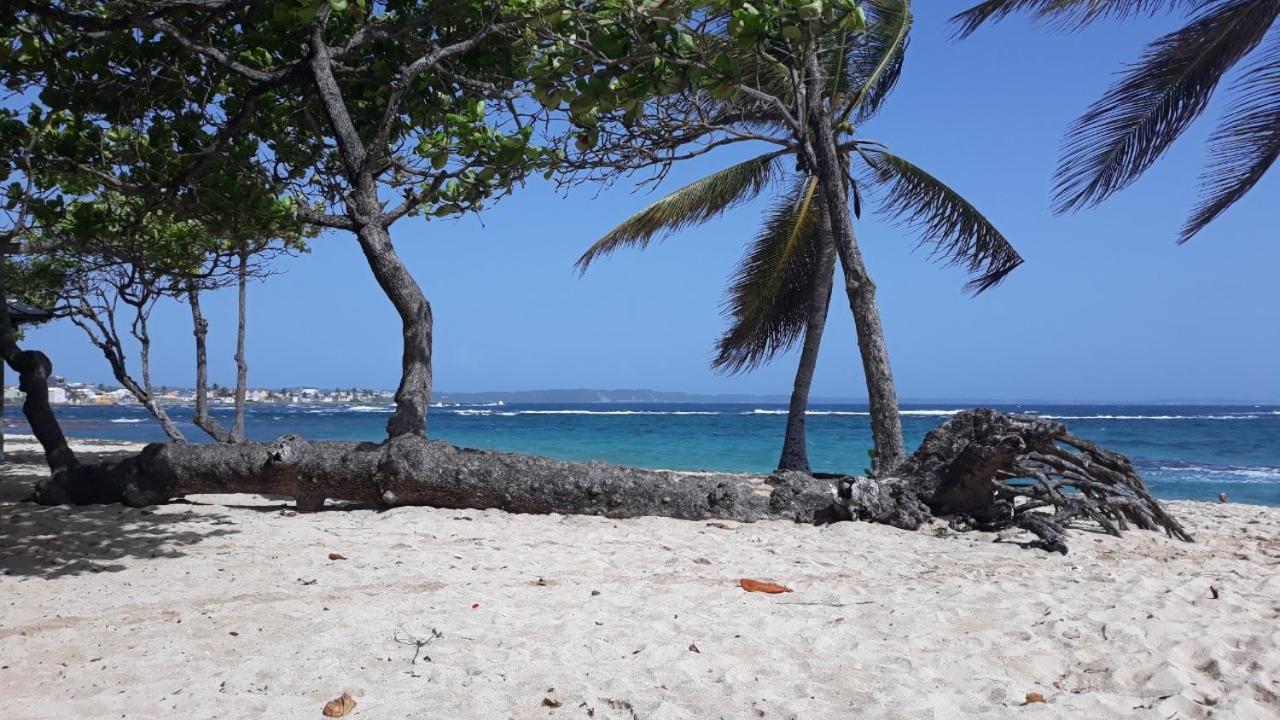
587	396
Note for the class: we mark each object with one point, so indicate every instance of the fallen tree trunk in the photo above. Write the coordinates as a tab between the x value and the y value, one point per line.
410	470
982	469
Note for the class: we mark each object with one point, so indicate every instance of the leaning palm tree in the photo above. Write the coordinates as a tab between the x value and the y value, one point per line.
781	290
1140	117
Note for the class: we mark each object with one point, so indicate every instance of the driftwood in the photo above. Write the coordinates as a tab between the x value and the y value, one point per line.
990	470
982	469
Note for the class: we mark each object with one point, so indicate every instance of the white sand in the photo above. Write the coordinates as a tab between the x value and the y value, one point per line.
226	608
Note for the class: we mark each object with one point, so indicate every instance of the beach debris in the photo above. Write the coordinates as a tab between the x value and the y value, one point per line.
1213	591
475	606
1034	697
762	586
720	525
336	556
694	648
417	643
1222	498
994	471
340	706
288	513
548	702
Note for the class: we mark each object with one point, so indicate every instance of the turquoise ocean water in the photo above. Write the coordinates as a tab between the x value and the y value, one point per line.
1184	452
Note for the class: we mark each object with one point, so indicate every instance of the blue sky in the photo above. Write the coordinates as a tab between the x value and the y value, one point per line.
1106	308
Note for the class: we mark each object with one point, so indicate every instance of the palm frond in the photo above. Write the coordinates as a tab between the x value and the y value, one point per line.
875	63
1133	124
1070	14
1245	145
959	234
769	296
692	204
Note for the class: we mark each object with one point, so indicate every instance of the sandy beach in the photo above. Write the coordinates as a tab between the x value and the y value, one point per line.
231	606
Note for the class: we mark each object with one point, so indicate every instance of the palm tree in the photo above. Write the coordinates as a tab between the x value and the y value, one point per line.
781	290
1142	114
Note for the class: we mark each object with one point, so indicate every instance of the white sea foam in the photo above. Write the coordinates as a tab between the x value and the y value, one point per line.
370	408
617	412
128	420
859	413
1220	473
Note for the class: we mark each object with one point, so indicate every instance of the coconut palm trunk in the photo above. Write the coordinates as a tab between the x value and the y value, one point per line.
795	451
882	397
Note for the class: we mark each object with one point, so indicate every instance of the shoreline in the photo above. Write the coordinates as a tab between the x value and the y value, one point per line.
232	602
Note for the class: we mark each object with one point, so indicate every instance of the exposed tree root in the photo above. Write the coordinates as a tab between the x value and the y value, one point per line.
991	470
982	469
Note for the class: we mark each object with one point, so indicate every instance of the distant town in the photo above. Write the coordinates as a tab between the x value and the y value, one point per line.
62	392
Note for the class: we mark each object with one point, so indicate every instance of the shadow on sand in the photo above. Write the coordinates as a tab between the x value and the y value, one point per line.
53	542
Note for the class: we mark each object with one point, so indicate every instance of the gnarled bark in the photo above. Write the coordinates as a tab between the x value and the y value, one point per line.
410	470
992	470
34	368
414	392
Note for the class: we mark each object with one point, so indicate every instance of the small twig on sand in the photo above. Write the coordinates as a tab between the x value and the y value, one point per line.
417	643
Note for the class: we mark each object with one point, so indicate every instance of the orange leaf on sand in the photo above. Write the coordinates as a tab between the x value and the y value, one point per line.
761	586
1034	698
336	556
340	707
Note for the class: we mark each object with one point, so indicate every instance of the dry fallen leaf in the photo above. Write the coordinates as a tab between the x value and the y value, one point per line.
551	703
340	707
722	526
1034	698
336	556
761	586
288	513
694	648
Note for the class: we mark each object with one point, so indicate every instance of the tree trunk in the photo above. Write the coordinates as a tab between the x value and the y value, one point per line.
882	397
99	325
414	393
413	396
411	470
795	451
147	395
34	368
200	329
242	364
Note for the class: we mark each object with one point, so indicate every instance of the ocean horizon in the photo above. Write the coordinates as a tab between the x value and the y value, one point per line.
1191	452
